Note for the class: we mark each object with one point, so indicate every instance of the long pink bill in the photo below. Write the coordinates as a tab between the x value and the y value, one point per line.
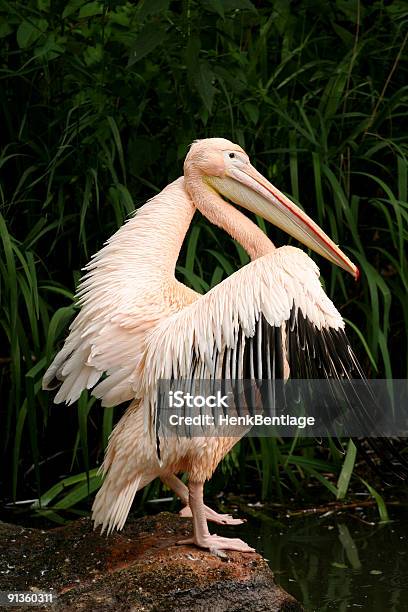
248	188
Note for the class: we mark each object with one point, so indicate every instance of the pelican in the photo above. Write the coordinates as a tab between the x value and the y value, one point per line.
138	325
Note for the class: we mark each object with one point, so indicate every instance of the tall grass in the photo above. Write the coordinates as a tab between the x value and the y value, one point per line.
98	103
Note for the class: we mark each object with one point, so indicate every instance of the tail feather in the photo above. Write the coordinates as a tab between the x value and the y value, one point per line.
110	508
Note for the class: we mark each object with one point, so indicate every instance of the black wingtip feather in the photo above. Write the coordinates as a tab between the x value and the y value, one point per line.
329	355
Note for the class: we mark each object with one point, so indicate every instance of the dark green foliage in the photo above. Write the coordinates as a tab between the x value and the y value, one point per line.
98	104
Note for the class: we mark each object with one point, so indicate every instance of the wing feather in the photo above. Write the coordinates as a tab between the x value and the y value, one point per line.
269	317
122	296
268	287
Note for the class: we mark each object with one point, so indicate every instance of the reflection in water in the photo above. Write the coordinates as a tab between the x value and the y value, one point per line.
330	564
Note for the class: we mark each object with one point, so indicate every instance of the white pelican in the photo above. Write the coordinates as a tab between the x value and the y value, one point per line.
138	324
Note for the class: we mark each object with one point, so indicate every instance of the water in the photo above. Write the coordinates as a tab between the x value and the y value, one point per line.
335	563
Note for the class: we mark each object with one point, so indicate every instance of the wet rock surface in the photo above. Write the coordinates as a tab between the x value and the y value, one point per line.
140	569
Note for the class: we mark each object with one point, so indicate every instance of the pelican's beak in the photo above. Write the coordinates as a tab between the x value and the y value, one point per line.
248	188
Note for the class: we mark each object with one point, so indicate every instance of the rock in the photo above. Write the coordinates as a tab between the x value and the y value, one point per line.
138	569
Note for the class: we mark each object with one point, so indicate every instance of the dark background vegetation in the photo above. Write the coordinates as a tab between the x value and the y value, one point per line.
98	104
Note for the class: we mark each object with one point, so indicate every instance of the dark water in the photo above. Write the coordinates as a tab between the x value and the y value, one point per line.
335	563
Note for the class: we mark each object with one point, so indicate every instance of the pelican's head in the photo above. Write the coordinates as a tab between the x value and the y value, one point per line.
226	168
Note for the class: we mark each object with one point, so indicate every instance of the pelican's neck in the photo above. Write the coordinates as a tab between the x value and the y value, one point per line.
224	215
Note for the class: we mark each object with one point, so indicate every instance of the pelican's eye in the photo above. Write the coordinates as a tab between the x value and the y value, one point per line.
232	155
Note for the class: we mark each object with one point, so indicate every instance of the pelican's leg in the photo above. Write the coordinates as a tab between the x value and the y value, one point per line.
213	516
180	489
202	536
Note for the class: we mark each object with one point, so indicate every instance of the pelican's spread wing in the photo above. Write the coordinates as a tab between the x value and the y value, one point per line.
108	338
270	318
102	340
250	326
122	298
274	288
